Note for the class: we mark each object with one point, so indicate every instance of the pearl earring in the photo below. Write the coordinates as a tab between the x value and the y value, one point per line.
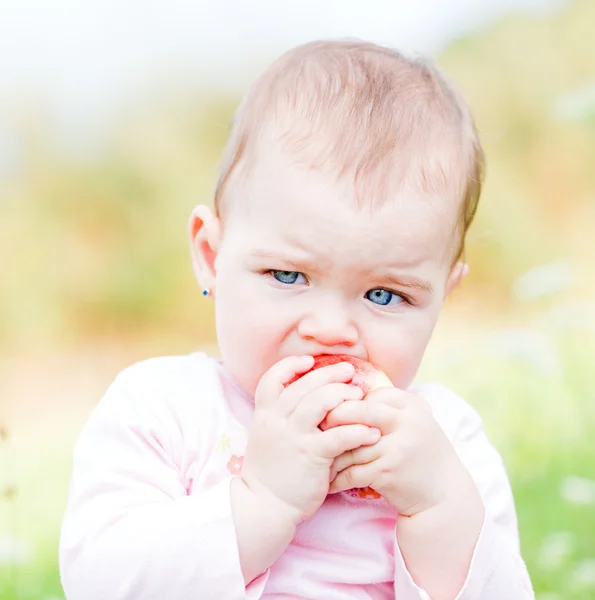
206	292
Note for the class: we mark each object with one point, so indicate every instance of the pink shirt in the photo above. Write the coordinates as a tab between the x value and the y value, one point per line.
149	516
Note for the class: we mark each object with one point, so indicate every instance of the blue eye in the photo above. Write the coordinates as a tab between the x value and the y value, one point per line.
287	277
383	297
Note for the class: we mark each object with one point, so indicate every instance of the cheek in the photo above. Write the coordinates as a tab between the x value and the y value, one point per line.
249	333
398	351
246	314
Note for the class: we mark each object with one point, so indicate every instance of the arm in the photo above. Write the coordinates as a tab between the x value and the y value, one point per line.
456	525
477	539
131	531
263	529
437	544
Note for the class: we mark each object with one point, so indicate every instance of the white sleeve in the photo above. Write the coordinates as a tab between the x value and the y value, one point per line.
131	531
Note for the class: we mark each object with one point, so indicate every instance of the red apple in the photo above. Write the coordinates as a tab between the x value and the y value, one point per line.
367	376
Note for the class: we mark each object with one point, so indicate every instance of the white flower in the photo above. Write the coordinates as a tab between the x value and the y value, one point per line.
556	549
542	281
525	345
13	551
576	106
568	316
583	575
578	490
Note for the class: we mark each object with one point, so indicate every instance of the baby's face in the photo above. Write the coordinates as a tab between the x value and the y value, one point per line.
300	271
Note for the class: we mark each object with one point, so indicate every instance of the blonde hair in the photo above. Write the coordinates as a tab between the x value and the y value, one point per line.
364	111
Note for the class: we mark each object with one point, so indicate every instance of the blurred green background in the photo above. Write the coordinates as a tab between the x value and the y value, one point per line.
97	275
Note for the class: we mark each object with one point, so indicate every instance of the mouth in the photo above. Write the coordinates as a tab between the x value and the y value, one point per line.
343	355
321	360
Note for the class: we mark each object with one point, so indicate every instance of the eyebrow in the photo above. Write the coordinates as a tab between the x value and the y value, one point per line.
408	281
269	255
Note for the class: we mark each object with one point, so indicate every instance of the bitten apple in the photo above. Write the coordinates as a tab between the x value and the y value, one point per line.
367	376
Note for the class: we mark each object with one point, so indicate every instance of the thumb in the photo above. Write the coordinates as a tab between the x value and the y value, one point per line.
273	382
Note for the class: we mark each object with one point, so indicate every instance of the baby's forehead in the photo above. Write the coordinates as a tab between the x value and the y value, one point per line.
284	176
308	212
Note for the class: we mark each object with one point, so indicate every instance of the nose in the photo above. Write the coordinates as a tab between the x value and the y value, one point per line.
329	324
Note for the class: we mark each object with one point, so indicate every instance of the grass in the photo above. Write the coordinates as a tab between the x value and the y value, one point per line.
539	412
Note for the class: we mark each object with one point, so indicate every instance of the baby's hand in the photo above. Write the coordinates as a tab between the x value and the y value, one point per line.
288	458
413	465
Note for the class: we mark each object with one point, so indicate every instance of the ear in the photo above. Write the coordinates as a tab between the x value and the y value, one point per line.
205	235
458	272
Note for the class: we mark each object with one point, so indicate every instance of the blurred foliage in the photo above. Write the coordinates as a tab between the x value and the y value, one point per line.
539	200
532	385
98	246
95	249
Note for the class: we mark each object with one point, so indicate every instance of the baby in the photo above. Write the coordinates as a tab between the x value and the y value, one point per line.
351	176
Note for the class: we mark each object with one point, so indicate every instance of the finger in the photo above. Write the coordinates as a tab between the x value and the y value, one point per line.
337	373
390	396
399	399
357	476
274	380
337	440
313	408
359	456
373	414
